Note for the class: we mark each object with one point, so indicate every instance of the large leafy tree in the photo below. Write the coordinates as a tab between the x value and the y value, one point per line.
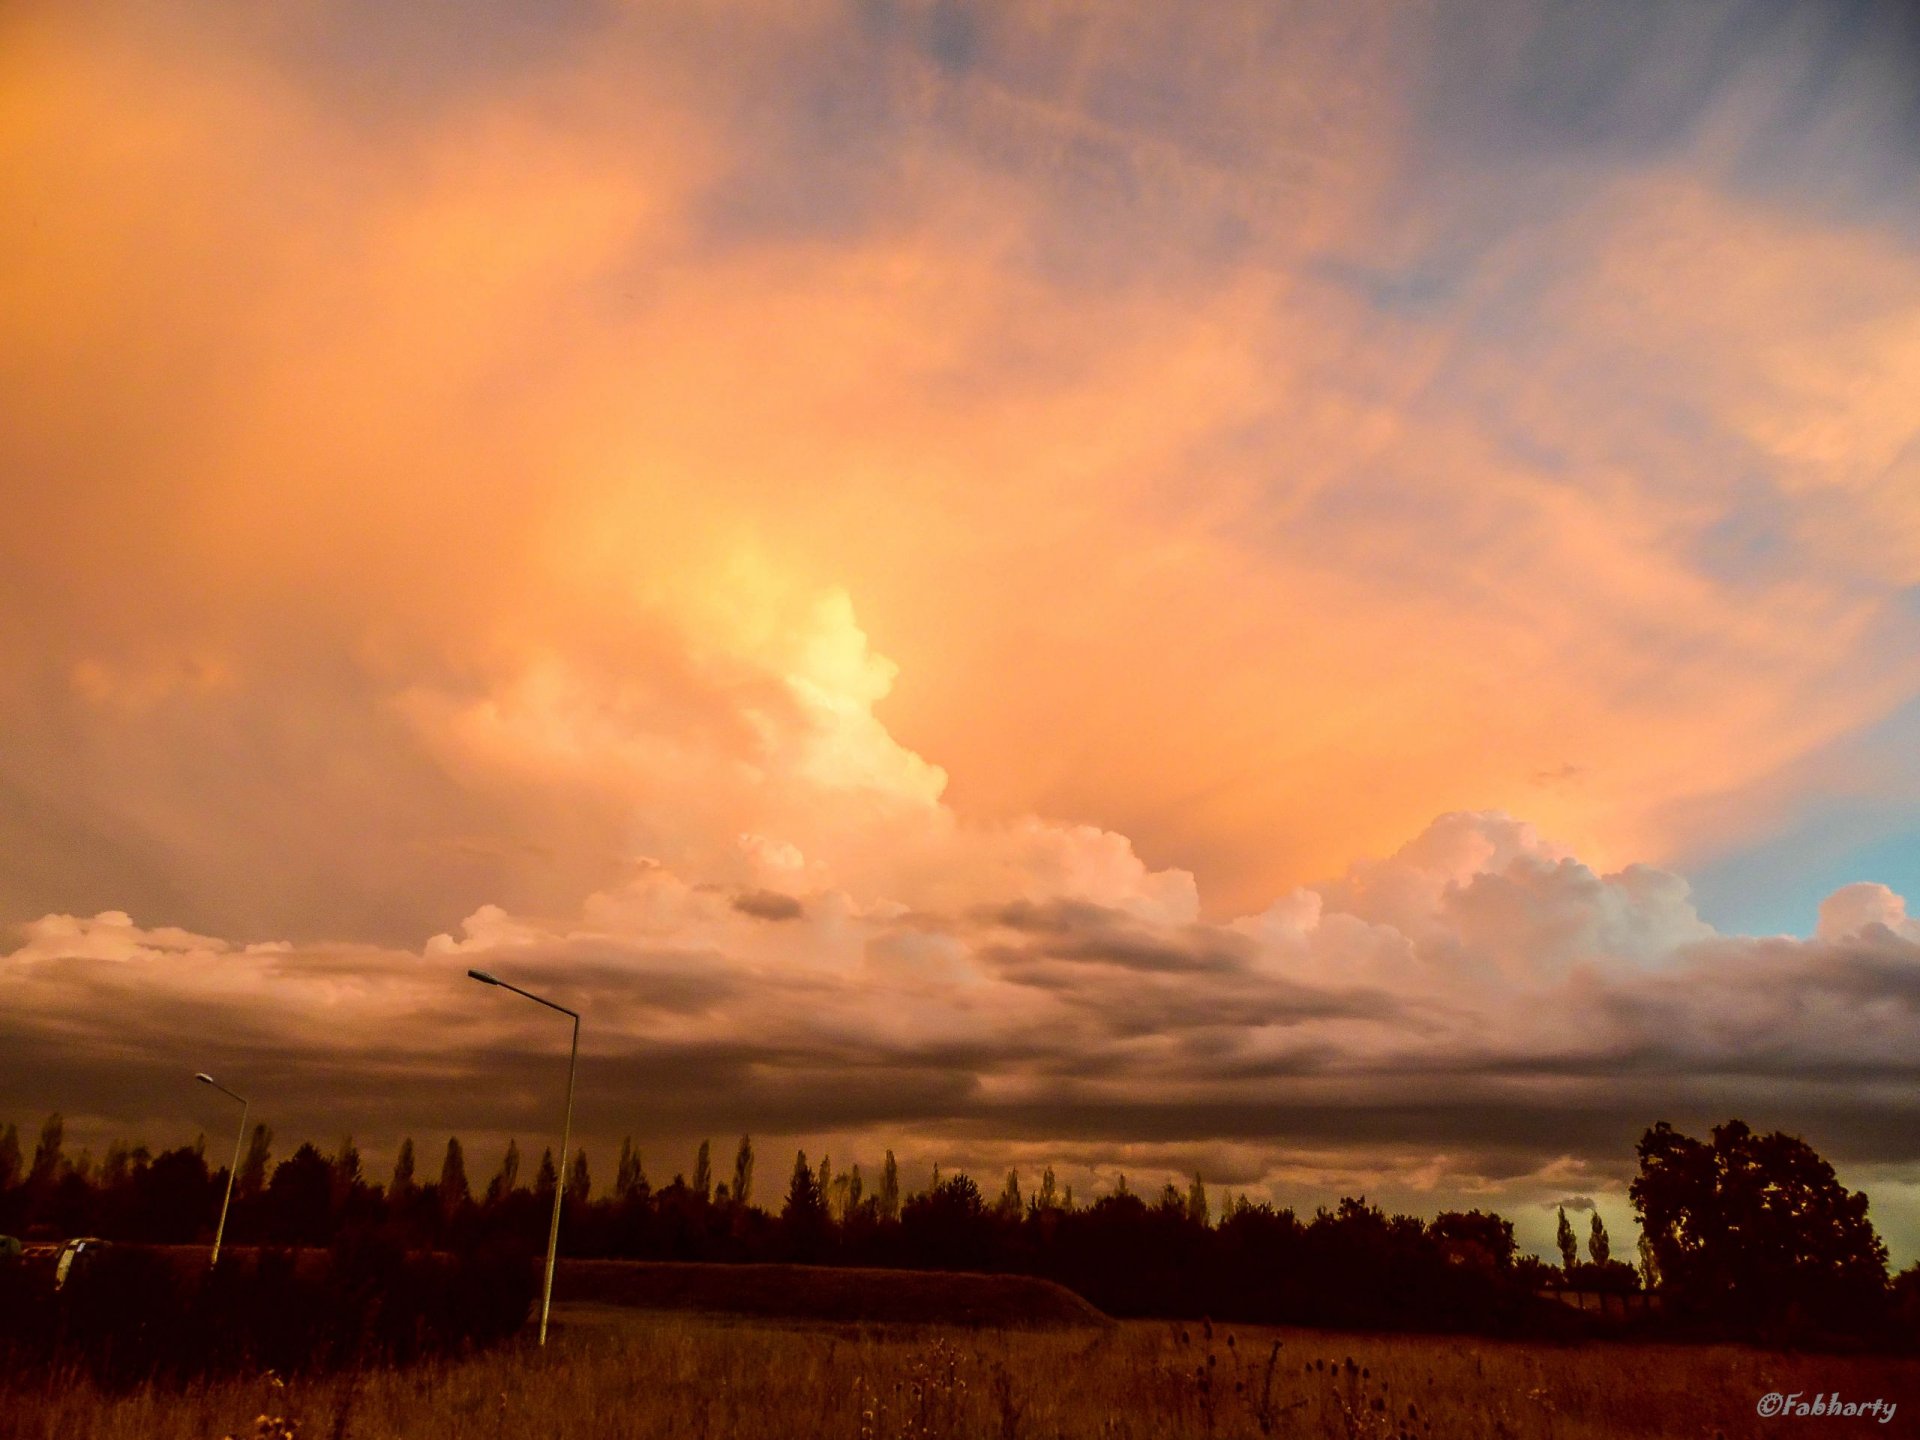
1473	1235
1756	1228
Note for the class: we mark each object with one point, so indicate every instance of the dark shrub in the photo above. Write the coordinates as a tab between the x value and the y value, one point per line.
134	1314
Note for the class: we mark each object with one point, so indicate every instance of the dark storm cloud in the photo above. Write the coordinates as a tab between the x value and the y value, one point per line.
1195	1035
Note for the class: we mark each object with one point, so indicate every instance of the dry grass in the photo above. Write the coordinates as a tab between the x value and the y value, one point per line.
624	1374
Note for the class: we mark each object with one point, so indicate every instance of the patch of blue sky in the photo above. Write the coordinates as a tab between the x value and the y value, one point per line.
1869	830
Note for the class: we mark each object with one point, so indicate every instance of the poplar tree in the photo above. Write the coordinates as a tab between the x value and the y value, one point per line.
1049	1196
47	1155
630	1178
252	1178
454	1190
1009	1205
508	1179
1569	1247
345	1169
1197	1203
743	1173
402	1170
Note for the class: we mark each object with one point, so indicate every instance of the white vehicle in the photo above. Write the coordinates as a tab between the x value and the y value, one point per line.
71	1254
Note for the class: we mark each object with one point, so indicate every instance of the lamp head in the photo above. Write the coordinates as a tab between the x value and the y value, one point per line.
483	977
204	1078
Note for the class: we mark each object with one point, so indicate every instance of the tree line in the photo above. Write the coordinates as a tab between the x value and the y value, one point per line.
1740	1233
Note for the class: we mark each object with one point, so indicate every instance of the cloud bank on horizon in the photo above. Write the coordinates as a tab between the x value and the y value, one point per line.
1477	1015
873	541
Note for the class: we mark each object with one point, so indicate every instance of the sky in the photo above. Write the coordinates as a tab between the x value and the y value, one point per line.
1326	595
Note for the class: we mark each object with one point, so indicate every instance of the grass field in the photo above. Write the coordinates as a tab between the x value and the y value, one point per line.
613	1372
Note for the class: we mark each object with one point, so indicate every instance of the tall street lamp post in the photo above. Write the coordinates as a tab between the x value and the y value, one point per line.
566	1136
238	1141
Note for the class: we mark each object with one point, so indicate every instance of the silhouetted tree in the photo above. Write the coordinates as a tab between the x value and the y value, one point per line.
346	1173
9	1157
454	1192
117	1167
1197	1203
402	1185
545	1178
1009	1206
1569	1247
299	1199
507	1180
1482	1238
1599	1247
948	1226
251	1180
47	1154
1184	1253
1756	1229
629	1178
703	1171
175	1197
1905	1292
803	1219
743	1172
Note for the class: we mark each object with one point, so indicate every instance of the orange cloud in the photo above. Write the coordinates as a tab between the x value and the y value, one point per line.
639	483
1224	556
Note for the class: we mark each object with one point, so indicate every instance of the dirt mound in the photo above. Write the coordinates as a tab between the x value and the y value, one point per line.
812	1292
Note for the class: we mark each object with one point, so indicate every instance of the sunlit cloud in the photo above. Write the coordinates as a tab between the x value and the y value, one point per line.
912	557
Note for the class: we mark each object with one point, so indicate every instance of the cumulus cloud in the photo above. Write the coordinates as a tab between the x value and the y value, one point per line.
1852	908
1459	1056
875	589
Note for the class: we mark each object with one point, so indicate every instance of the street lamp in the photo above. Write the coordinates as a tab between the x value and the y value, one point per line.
566	1135
238	1140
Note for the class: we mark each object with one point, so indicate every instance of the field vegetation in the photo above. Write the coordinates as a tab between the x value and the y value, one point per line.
630	1374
